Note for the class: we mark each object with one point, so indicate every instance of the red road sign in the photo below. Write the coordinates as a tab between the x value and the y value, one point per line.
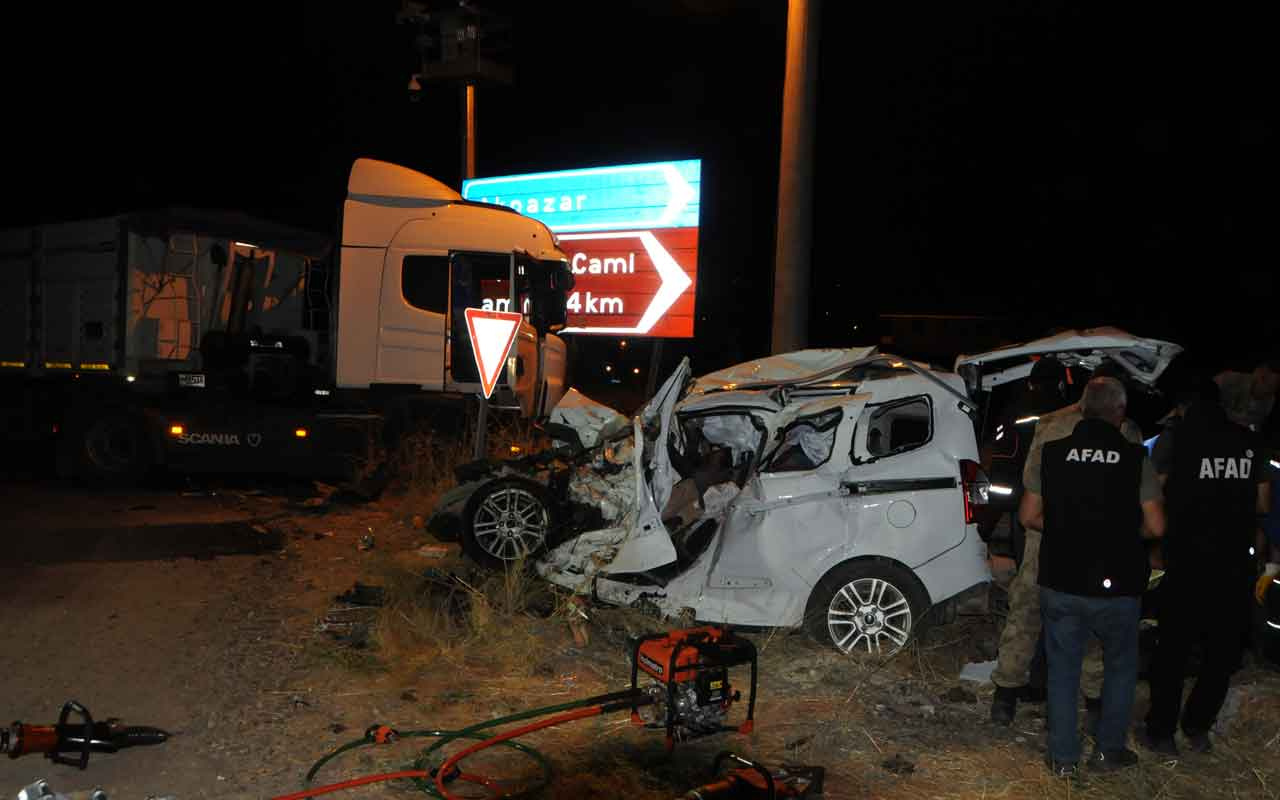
492	333
633	283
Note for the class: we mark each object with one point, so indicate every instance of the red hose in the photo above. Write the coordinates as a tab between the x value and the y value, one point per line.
448	765
386	776
354	782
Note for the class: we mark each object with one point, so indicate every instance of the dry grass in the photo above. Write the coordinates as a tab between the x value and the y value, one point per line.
475	623
424	461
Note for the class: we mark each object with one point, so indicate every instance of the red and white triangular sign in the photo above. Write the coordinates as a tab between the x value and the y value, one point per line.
492	333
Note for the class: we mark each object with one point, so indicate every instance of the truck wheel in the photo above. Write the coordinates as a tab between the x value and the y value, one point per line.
506	521
870	607
113	449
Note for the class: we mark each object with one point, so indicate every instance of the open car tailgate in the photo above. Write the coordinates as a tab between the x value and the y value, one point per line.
1143	359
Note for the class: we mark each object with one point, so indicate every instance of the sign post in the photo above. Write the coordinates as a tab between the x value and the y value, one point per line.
492	333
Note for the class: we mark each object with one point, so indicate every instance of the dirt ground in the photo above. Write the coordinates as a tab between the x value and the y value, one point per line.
197	610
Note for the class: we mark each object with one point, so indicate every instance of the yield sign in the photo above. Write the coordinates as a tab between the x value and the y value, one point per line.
492	333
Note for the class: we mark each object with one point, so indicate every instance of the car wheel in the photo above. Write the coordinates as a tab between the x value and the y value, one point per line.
871	607
506	521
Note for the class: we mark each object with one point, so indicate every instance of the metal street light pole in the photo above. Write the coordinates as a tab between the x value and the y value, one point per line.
792	266
468	131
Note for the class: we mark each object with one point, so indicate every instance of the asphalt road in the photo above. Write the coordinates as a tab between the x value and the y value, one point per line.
138	604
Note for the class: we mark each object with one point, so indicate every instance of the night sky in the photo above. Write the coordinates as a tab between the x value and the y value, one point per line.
1050	163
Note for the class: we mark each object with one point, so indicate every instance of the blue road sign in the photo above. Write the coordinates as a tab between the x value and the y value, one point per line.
666	194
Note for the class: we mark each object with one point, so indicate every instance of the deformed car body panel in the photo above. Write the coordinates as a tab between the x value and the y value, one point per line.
797	367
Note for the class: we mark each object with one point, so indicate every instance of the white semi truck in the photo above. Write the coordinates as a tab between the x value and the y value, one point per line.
214	341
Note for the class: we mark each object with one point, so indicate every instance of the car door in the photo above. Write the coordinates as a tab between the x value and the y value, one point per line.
648	545
904	498
790	520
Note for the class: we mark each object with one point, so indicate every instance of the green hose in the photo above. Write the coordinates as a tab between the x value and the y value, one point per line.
443	737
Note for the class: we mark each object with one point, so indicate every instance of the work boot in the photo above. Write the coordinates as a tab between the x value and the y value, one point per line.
1092	715
1106	761
1199	741
1163	745
1003	705
1062	769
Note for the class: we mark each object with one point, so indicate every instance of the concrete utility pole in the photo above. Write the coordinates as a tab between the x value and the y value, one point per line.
791	266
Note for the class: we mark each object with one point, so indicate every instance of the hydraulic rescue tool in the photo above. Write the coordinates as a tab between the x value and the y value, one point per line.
78	738
753	781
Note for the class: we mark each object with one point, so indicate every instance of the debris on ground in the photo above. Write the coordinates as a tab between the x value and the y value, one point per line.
366	542
978	673
363	594
433	551
899	765
350	625
957	694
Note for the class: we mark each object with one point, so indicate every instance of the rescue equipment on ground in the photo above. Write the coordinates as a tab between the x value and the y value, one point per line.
78	738
690	694
753	781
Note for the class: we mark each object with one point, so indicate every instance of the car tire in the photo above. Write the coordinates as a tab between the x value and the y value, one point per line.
505	522
869	607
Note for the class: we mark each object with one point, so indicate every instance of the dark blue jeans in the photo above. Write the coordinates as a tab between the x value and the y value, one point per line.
1068	621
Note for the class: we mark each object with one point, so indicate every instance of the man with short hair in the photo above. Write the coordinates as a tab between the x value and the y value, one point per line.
1216	481
1093	494
1021	644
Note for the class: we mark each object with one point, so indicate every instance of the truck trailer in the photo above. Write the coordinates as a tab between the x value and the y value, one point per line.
213	341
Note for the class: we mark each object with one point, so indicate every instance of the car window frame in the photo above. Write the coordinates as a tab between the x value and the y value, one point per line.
873	408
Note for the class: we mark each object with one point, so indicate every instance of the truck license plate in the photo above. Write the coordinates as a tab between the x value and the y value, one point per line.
191	379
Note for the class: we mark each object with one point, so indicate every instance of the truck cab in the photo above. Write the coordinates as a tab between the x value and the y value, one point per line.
414	255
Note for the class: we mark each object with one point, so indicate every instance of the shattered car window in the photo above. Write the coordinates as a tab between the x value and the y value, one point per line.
899	427
806	443
717	448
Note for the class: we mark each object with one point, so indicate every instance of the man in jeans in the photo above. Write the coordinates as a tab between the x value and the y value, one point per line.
1094	499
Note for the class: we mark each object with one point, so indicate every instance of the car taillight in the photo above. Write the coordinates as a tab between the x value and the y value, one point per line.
975	486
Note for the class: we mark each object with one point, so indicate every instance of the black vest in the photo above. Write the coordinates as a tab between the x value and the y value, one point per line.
1211	492
1092	514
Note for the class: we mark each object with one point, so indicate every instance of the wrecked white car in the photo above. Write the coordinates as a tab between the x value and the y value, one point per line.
830	489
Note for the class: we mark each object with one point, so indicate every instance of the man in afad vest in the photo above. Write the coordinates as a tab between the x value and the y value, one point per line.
1094	499
1215	485
1019	668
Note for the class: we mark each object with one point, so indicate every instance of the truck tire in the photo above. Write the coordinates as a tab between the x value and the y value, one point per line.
869	607
505	522
112	449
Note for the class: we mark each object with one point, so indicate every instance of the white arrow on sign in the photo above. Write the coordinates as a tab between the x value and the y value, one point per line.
492	333
674	279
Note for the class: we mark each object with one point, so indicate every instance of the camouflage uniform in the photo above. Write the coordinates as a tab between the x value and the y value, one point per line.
1022	627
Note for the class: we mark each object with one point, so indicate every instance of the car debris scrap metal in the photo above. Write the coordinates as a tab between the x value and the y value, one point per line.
832	489
40	790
